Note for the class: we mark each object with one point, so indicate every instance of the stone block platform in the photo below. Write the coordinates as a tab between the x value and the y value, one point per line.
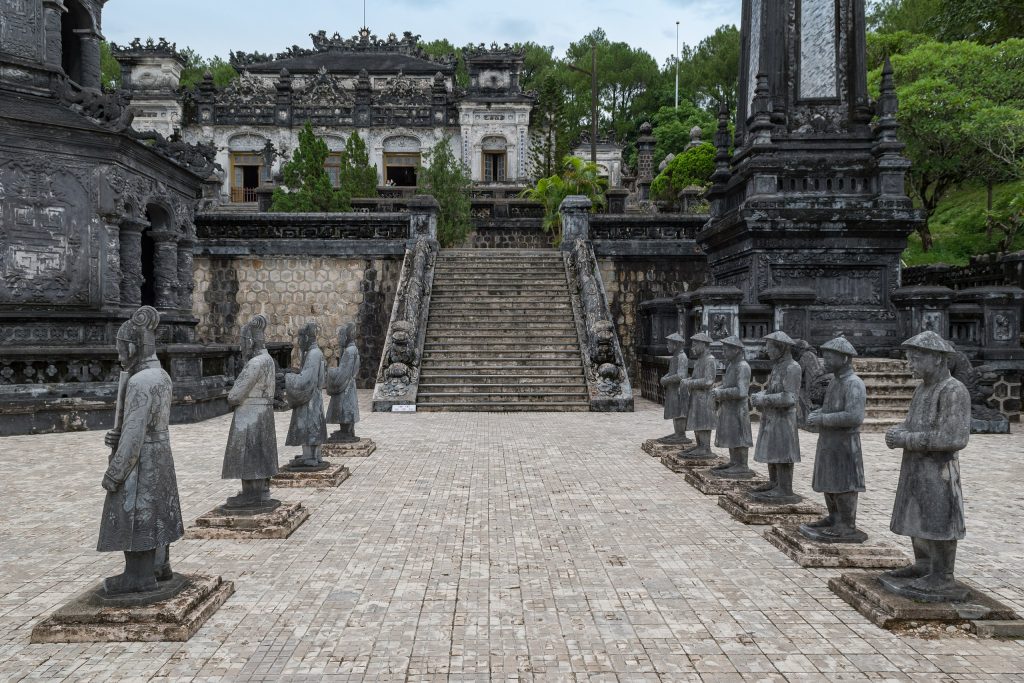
86	619
740	505
872	553
865	593
677	461
222	522
701	479
356	449
328	477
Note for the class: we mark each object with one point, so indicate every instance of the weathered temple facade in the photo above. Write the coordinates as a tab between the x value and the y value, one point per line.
399	99
95	220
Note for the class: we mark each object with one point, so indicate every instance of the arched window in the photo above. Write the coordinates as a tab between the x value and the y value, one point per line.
247	161
495	158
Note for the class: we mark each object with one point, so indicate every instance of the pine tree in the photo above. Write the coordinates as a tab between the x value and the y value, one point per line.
447	181
358	178
549	128
308	188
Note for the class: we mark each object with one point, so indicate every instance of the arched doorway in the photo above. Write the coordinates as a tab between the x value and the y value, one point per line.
72	24
401	160
159	221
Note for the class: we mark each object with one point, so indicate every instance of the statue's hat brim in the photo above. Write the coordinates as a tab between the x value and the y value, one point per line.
733	341
780	337
840	345
928	341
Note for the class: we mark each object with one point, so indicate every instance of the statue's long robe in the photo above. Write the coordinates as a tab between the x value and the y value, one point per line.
929	500
251	452
701	415
732	429
778	441
144	512
677	397
341	387
305	394
839	461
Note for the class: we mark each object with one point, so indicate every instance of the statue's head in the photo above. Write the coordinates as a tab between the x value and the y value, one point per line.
927	355
837	354
253	337
699	344
346	335
676	343
136	338
733	348
308	334
778	344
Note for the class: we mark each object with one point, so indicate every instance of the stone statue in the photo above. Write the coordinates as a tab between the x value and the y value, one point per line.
929	504
701	415
343	409
778	440
814	379
251	453
141	513
839	463
732	429
304	390
677	396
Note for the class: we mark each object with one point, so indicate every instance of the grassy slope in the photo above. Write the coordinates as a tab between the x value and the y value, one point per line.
958	227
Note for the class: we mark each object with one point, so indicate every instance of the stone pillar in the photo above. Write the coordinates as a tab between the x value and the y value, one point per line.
923	308
165	267
617	200
720	312
112	271
575	212
186	273
130	246
645	161
423	210
53	53
90	39
790	311
685	323
999	337
659	318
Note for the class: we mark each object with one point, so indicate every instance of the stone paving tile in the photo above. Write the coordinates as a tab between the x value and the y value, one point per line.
476	547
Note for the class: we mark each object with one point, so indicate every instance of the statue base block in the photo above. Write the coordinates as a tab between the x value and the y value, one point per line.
701	479
809	553
740	505
330	476
865	593
87	620
678	462
224	522
354	449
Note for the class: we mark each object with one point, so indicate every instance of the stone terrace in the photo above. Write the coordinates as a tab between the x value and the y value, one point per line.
485	546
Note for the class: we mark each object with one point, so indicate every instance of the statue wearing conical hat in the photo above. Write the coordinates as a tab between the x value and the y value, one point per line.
304	390
677	395
701	415
778	441
732	427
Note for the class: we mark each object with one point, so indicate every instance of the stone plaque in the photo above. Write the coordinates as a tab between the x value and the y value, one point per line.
818	71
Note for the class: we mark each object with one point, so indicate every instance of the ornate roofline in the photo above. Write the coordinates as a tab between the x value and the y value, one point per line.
150	48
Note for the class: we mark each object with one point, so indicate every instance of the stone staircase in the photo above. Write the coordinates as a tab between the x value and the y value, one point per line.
890	386
501	336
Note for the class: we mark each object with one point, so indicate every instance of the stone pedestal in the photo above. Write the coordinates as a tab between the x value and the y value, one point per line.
740	505
89	618
872	553
678	461
656	449
326	477
865	593
355	449
701	479
225	522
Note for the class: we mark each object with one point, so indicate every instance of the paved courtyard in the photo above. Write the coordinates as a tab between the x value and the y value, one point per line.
542	547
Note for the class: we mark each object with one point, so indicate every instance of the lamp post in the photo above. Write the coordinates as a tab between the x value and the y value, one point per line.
593	99
675	58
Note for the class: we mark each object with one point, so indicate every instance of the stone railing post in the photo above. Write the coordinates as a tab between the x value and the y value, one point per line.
130	246
165	267
923	308
616	197
719	312
790	310
423	212
999	337
575	212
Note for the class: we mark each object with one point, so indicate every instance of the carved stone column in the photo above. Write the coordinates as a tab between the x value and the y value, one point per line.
53	53
645	161
130	248
575	212
90	57
186	276
423	211
165	268
112	273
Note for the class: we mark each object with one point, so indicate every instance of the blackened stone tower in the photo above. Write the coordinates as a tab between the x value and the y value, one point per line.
813	195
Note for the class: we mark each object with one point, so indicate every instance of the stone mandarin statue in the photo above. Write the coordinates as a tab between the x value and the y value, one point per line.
778	441
343	409
929	504
732	429
701	415
839	462
677	396
304	391
812	369
251	453
141	513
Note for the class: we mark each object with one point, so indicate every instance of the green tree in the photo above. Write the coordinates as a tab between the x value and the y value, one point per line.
445	179
307	187
196	67
443	48
549	129
882	45
913	16
692	167
672	128
110	69
983	21
711	69
577	177
357	176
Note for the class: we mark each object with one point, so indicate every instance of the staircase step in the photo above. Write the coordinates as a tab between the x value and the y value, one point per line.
471	407
537	395
509	364
502	373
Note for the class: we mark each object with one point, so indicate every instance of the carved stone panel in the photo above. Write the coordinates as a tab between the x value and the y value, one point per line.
20	28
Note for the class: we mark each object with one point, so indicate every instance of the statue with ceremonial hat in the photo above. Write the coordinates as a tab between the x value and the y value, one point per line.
929	505
677	395
839	462
778	440
304	391
700	416
732	427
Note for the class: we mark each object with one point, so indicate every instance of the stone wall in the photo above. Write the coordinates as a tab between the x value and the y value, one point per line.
292	289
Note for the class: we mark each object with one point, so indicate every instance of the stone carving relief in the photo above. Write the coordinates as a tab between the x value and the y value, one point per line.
247	89
402	143
324	90
404	90
20	22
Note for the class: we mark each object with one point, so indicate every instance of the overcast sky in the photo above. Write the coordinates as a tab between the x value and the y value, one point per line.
215	27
